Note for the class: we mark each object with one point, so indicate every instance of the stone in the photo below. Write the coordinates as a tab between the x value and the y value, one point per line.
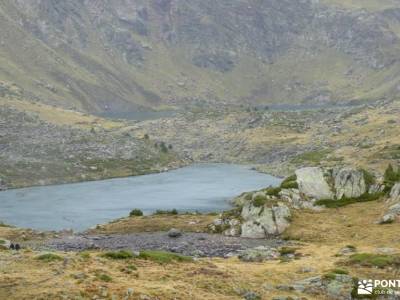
395	193
261	222
349	183
174	233
4	244
313	184
391	215
250	295
259	254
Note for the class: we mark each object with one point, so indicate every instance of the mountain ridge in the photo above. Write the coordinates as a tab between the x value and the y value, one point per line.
123	55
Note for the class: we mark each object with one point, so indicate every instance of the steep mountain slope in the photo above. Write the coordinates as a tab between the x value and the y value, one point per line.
135	54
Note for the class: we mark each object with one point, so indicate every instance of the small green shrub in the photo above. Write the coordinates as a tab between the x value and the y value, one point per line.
329	276
104	277
374	260
259	200
347	201
290	182
136	213
340	271
49	257
391	177
2	242
287	250
273	191
290	185
166	212
163	257
123	254
368	177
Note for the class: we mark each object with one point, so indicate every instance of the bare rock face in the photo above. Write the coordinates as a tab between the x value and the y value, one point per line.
349	183
261	222
395	193
313	184
393	212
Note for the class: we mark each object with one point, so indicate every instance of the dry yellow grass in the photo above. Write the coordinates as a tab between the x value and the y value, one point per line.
154	223
322	235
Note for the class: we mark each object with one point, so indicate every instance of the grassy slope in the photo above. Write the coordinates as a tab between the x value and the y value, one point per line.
321	235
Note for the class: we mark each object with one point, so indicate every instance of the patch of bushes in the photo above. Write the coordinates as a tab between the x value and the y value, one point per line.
368	177
347	201
287	251
136	213
273	191
390	177
49	257
290	182
166	212
259	200
374	260
118	255
2	242
164	257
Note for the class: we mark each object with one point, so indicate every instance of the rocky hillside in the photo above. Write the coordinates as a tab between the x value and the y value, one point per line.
129	54
36	150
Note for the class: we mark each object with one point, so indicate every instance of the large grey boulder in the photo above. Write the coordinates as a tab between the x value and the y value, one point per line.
349	183
391	215
259	254
395	193
313	184
261	222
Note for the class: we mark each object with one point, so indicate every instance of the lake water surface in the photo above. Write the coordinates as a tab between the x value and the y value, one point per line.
200	187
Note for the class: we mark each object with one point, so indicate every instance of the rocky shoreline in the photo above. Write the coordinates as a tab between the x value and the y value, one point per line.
190	244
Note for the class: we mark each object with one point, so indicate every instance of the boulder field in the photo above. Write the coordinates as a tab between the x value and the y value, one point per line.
268	212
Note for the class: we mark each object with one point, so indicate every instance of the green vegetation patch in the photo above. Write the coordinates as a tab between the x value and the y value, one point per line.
290	183
391	177
273	191
118	255
347	201
368	177
287	250
313	157
104	277
374	260
136	213
166	212
340	271
164	257
259	200
49	257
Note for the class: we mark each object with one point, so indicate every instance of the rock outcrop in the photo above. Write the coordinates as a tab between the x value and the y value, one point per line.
349	183
263	221
313	183
393	212
395	193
